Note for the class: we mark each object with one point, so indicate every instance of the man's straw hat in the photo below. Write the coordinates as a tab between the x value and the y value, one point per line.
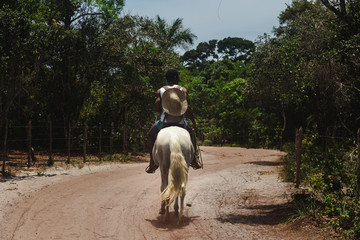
174	102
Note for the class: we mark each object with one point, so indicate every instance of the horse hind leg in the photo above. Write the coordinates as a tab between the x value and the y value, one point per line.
182	197
164	183
164	211
162	208
167	211
176	206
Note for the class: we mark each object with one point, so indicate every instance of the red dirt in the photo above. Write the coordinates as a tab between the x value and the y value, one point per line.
238	195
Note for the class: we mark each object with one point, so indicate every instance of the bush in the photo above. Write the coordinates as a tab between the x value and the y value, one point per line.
330	182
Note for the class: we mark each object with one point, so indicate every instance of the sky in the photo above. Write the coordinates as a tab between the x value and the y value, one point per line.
214	19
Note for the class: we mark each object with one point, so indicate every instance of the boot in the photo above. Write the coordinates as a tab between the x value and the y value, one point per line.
195	164
151	140
152	166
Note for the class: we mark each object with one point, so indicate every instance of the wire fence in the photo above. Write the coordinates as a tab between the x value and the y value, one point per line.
352	142
27	144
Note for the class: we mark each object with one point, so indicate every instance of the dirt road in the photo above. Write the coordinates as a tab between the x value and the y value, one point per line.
238	195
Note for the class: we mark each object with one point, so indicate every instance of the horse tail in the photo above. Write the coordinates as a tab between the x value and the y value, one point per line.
178	170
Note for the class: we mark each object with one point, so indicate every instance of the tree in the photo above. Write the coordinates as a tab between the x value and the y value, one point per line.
136	68
75	61
339	8
236	49
22	50
220	87
174	35
303	70
52	58
206	53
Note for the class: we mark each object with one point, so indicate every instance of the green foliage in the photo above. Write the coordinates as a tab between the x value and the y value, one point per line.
207	142
310	50
206	53
220	87
330	180
169	36
263	129
118	157
305	205
77	62
51	161
137	70
236	49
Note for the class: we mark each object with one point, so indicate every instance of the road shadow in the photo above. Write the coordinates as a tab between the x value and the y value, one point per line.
260	215
10	177
172	223
266	163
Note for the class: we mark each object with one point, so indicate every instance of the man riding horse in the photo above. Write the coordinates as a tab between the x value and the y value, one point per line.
172	103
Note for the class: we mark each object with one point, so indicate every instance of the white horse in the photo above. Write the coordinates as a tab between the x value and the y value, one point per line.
173	151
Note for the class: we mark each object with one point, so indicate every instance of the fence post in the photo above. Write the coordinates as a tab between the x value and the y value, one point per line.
68	143
298	140
29	144
112	138
358	165
5	146
100	136
84	143
50	162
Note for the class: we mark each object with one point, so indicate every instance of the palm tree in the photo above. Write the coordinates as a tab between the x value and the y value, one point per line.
174	35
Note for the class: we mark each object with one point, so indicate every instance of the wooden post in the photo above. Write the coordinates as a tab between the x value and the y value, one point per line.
298	140
358	165
68	143
4	156
112	138
125	129
100	136
50	162
29	144
84	143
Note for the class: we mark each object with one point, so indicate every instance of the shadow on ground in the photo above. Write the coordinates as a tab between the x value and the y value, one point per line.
266	163
260	215
172	223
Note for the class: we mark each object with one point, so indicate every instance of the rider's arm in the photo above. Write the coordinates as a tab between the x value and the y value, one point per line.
189	113
158	102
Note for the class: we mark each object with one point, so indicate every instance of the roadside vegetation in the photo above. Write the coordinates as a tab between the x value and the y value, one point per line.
82	73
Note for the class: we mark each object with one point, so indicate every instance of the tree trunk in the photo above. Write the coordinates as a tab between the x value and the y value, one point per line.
298	140
282	130
358	166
